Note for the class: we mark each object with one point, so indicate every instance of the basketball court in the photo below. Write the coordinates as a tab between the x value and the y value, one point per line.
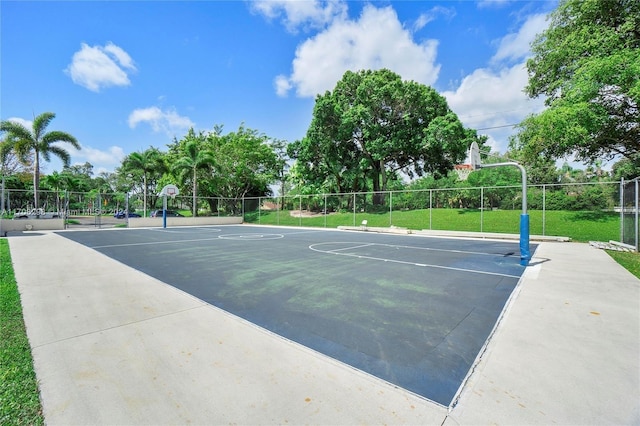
413	311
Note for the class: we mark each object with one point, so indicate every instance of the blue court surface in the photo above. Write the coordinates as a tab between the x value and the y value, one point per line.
412	310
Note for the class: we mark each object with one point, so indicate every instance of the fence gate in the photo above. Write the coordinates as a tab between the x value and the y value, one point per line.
629	213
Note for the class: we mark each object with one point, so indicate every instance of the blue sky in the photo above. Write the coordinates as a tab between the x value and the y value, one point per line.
122	76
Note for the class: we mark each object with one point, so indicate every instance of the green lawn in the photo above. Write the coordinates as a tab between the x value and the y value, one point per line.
631	261
579	226
19	397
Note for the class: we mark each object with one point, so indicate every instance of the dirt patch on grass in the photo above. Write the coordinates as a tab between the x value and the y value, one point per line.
304	213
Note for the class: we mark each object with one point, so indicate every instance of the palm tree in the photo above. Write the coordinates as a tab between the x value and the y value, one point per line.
147	162
36	141
193	160
55	181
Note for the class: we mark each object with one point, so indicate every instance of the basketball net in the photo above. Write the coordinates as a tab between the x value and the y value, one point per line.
463	170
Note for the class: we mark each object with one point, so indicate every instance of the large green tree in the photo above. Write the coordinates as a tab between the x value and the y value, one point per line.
38	143
587	65
245	164
194	156
55	182
148	166
374	125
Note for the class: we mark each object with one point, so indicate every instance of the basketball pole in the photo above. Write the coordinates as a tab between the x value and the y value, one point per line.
525	253
164	210
476	163
172	191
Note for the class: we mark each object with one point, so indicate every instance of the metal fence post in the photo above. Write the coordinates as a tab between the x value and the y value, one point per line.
481	208
354	209
430	205
325	210
96	212
621	209
2	197
390	208
637	208
65	212
544	209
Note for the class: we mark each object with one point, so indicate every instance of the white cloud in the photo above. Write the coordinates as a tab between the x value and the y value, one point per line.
26	123
167	121
486	92
97	67
120	55
432	15
311	14
107	160
488	98
493	97
377	40
516	46
102	160
282	85
492	3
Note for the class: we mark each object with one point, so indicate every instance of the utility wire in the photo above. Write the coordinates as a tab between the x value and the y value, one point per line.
498	127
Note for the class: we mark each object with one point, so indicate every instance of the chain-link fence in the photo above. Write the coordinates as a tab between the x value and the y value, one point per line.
581	211
100	209
599	211
629	195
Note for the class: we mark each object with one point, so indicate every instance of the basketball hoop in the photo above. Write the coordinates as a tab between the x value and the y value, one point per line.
474	163
169	191
463	170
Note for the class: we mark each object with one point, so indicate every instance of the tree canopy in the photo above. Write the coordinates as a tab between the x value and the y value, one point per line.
147	165
36	144
231	166
373	126
194	157
587	65
245	163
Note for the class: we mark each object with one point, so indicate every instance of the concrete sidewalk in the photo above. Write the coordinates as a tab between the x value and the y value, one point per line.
114	346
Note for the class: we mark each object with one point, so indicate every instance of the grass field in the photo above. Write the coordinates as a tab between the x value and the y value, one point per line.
631	261
19	397
579	226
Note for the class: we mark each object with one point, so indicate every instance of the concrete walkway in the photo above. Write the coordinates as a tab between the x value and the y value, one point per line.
114	346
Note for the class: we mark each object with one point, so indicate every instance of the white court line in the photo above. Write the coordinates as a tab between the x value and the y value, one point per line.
155	243
427	265
349	248
192	230
250	237
481	253
304	232
246	237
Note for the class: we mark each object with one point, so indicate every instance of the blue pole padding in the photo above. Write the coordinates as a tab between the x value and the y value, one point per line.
164	218
525	254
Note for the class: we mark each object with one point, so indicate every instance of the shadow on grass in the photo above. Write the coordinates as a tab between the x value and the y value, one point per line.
465	211
595	216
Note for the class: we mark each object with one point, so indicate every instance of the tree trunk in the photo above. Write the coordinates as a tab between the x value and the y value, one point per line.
378	173
195	188
36	180
144	194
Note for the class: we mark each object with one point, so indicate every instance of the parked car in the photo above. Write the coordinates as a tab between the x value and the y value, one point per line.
121	215
35	214
170	213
